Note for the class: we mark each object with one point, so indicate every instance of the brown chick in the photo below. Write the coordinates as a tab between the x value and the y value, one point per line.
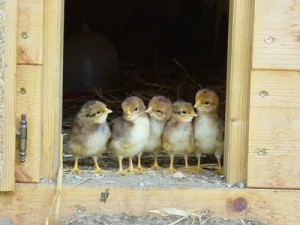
159	111
90	133
208	127
130	132
178	134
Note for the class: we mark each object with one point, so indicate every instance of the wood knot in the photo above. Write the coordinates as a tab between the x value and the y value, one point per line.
238	205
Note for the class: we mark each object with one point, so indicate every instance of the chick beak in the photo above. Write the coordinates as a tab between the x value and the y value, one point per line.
149	110
108	111
196	105
194	115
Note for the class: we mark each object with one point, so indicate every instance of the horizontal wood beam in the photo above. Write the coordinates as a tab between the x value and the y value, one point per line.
270	206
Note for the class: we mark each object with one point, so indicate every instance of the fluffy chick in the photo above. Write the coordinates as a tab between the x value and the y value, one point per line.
178	134
208	127
159	111
90	133
130	132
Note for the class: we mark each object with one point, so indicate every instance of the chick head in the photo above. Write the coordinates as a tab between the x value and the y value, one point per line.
133	107
94	112
183	111
207	101
160	108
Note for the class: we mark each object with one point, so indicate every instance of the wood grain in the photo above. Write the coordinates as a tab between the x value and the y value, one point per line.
52	87
274	127
269	206
237	89
7	181
30	31
29	103
279	20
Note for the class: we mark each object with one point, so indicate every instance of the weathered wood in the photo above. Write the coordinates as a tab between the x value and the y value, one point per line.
30	31
271	206
275	128
29	102
8	47
52	86
237	89
278	20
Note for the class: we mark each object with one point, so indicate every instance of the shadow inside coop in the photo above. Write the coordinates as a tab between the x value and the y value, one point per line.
114	49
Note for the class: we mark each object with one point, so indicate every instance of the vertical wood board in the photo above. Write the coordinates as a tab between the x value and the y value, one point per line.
8	29
30	31
29	103
52	86
279	22
237	89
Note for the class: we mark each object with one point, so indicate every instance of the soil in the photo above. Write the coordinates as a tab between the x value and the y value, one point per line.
200	218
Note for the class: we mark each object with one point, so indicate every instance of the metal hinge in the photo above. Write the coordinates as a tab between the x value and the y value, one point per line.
22	133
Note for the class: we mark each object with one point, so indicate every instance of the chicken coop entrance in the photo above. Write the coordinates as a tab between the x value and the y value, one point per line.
115	49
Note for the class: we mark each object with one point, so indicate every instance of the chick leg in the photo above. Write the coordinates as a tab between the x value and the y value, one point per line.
219	169
186	168
139	165
120	171
171	167
97	168
155	165
131	168
75	168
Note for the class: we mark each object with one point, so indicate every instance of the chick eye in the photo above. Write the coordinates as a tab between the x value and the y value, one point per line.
183	112
136	109
206	103
87	115
98	112
158	111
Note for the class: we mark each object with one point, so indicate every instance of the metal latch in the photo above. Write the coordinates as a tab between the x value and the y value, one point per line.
23	137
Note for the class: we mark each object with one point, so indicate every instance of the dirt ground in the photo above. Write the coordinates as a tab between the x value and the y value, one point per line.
197	218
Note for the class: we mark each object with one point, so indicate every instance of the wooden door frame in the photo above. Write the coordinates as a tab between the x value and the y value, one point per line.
237	94
8	29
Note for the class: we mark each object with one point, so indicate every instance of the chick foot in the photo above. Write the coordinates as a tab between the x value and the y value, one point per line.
130	169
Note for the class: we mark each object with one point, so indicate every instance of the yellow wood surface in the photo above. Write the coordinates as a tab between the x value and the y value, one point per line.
269	206
274	127
279	20
29	103
237	89
30	31
9	82
52	86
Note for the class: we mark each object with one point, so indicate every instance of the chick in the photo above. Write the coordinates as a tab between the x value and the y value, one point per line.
208	127
178	134
159	111
90	133
130	132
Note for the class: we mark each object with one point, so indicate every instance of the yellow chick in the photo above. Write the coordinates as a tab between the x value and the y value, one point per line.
130	132
178	134
159	111
208	127
90	133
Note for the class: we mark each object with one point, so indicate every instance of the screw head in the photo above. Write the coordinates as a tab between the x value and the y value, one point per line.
263	93
24	35
261	152
268	40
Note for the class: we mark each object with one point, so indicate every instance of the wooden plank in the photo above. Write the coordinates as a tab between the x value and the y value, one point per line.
280	22
274	127
282	88
30	32
29	103
277	131
52	86
269	206
8	29
238	89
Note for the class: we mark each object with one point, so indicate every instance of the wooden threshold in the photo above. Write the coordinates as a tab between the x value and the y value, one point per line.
30	203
